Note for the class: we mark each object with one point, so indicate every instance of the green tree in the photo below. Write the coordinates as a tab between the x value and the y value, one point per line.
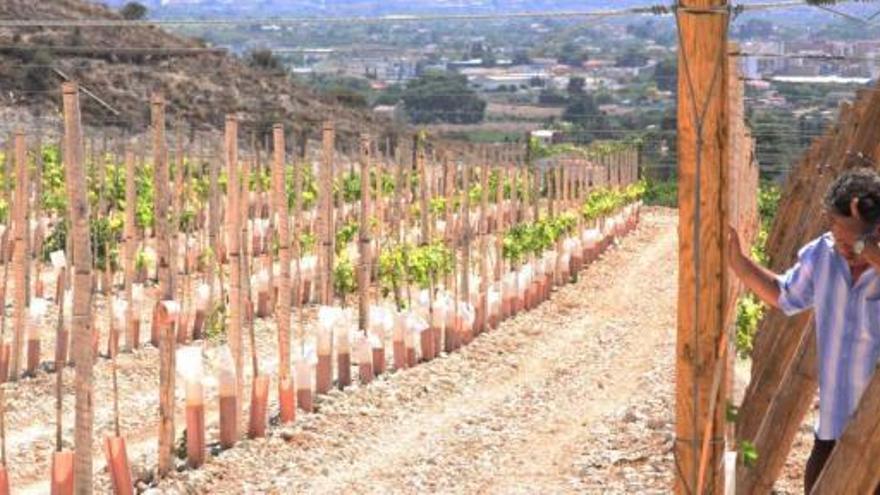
264	59
776	146
521	57
550	96
666	74
576	86
390	96
633	57
133	11
443	97
583	112
572	55
489	59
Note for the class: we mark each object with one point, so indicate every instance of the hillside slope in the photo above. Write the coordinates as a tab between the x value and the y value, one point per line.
112	62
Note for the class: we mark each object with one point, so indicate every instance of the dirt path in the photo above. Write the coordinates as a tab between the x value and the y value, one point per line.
523	409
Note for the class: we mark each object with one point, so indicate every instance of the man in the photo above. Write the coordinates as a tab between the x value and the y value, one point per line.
838	276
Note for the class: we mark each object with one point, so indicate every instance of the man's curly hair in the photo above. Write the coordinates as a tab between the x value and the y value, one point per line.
862	183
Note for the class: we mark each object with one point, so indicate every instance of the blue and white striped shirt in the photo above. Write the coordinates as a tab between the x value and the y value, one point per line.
847	319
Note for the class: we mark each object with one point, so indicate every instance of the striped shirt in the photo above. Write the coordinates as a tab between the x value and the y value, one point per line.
847	317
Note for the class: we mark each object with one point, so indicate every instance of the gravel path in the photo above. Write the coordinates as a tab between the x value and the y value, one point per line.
575	396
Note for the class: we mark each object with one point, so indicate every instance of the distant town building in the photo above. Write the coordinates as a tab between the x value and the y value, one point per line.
544	136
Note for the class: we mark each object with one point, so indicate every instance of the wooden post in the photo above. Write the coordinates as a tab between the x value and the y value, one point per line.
245	240
233	246
449	173
364	268
282	308
522	202
130	248
214	239
178	206
500	217
466	230
9	173
39	234
78	209
325	213
299	282
418	157
702	142
398	197
20	256
483	323
166	288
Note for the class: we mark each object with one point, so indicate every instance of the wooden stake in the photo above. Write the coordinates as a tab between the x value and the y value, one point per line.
233	246
9	174
78	209
246	266
216	243
167	339
39	234
483	305
466	226
419	165
325	220
702	206
60	357
131	321
298	170
19	257
286	392
364	265
500	220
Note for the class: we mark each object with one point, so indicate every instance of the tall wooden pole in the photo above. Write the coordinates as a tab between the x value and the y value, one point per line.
214	240
326	213
466	230
78	209
161	202
233	191
37	214
365	262
702	144
500	212
282	307
483	304
418	157
130	248
299	283
19	256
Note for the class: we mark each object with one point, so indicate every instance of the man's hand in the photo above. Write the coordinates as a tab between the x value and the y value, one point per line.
756	278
